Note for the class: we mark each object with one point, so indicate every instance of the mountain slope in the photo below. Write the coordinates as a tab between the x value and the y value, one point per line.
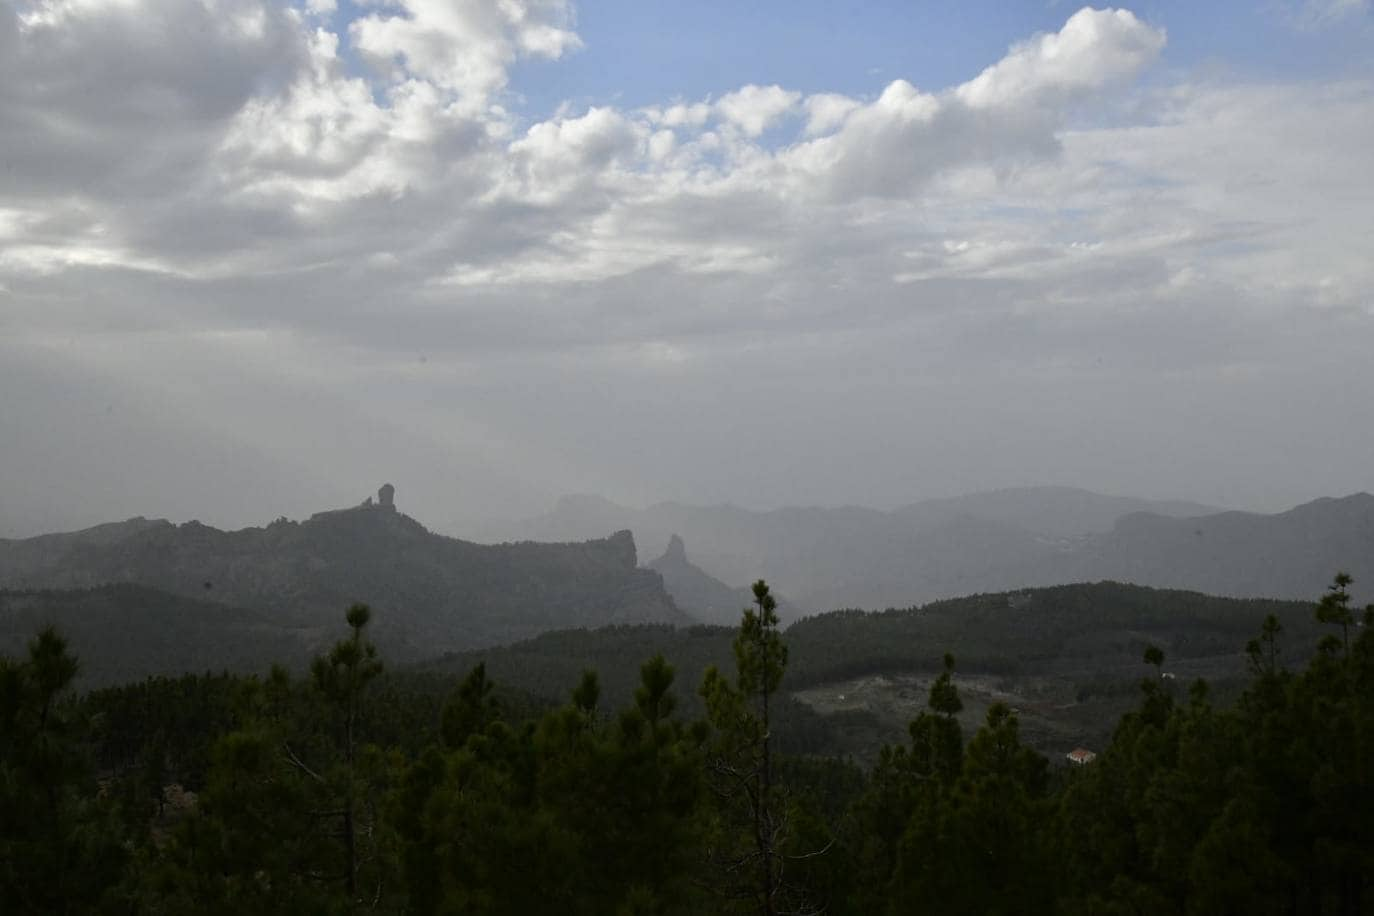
1290	554
1055	511
854	557
702	595
125	633
821	558
706	598
430	592
1069	657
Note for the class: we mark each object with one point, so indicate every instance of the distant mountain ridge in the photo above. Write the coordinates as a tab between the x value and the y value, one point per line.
1055	511
431	593
1249	555
702	595
1006	539
434	593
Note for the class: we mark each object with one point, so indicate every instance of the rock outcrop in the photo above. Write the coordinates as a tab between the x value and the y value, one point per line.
701	595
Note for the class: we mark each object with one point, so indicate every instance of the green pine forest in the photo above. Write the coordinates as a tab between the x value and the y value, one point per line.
346	787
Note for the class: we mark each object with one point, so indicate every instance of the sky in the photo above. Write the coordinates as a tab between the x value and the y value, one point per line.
258	257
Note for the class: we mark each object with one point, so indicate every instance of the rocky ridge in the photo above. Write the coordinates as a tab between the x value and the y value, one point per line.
430	593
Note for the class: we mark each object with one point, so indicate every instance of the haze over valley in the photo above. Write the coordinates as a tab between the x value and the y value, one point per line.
822	559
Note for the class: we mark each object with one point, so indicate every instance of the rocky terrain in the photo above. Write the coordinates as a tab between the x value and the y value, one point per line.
430	593
702	595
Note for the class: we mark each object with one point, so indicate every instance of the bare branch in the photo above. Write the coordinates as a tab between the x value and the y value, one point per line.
300	764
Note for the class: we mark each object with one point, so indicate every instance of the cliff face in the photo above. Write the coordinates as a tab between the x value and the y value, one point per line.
703	596
429	593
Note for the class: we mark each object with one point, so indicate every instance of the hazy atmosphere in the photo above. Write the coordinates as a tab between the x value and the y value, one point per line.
257	258
823	458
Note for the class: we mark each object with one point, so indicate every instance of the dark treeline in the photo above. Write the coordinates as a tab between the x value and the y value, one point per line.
350	789
1082	632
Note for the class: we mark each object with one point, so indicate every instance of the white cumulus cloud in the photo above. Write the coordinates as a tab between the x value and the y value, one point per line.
464	46
754	109
1093	48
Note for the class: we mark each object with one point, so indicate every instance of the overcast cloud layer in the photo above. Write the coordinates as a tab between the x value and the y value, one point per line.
256	259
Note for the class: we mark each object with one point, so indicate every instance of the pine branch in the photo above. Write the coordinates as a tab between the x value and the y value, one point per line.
301	764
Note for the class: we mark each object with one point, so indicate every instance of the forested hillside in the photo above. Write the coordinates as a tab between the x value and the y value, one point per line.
126	633
351	791
1067	656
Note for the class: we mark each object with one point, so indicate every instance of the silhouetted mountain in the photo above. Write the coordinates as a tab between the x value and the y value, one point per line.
430	592
797	550
704	597
1007	539
1057	511
128	632
1287	555
960	555
18	557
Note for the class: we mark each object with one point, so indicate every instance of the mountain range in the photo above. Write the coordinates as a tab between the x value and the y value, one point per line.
285	585
826	558
430	593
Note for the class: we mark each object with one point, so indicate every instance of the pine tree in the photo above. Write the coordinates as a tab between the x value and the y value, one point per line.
60	847
751	848
1334	607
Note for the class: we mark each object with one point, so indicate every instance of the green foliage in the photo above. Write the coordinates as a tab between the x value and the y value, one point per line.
472	707
569	814
754	834
59	844
937	741
1263	651
1079	639
1098	628
1261	808
355	790
126	632
287	819
955	829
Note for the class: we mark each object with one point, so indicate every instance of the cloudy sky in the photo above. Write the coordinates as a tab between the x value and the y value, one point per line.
258	257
